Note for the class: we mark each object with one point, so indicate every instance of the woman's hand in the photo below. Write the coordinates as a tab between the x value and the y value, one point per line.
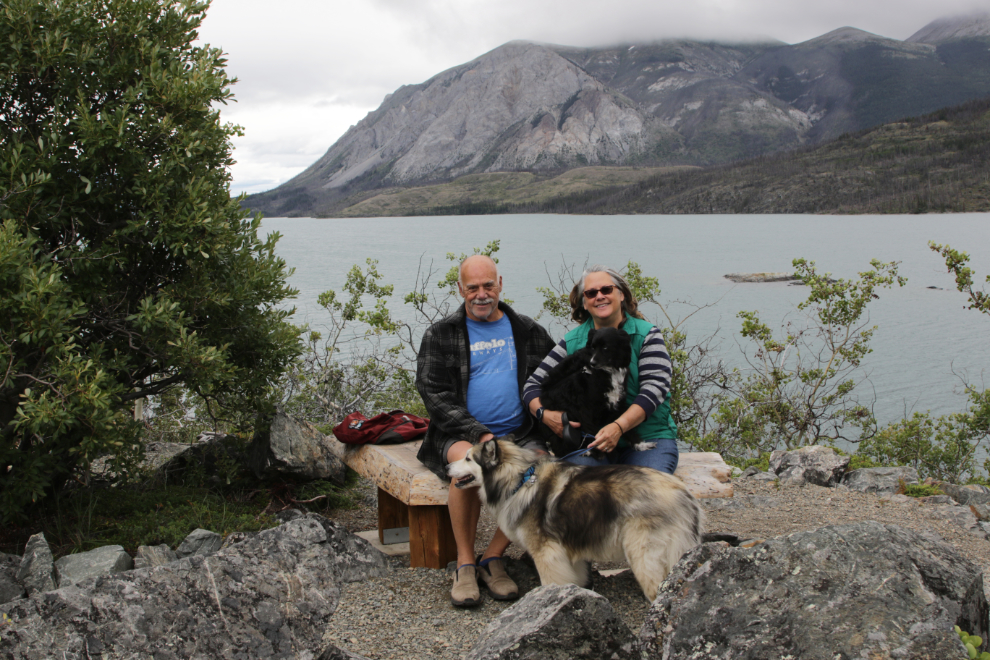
607	438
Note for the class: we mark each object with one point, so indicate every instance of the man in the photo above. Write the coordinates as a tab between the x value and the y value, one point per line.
470	372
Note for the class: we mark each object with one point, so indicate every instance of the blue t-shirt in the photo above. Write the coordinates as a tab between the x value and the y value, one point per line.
493	388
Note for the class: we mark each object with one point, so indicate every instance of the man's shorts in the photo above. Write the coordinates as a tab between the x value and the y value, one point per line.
532	441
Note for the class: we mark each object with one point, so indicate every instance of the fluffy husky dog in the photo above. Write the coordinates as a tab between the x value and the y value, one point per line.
565	515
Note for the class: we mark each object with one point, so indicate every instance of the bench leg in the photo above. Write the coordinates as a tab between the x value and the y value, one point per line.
392	514
431	537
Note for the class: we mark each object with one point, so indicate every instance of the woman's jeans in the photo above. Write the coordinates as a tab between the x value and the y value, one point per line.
663	457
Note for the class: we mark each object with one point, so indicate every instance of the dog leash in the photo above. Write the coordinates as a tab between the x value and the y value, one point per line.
582	450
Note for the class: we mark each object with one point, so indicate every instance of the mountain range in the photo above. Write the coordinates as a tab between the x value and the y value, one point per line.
545	109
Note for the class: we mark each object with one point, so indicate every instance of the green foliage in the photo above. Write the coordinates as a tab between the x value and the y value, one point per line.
126	269
166	510
800	390
322	495
80	520
175	416
943	447
955	262
858	462
972	644
919	490
365	358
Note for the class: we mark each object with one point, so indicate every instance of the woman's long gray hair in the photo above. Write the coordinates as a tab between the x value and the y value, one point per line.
630	306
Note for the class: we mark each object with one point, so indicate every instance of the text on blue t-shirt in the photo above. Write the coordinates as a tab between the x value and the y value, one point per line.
493	387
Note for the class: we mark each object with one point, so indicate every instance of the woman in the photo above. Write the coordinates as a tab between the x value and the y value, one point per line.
602	298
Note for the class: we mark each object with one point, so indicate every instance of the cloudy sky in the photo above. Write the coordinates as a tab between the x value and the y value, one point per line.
309	69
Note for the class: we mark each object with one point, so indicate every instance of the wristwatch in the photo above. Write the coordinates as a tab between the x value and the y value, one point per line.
539	414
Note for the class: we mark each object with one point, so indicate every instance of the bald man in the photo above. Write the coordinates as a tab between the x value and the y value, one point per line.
471	369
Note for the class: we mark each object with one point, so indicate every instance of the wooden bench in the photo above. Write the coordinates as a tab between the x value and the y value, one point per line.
412	500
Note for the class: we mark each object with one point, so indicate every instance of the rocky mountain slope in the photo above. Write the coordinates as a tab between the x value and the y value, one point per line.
542	108
934	163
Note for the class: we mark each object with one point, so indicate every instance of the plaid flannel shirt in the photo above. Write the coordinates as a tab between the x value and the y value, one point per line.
443	369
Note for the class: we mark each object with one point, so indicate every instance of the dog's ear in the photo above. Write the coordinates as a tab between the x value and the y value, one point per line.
491	454
591	336
623	334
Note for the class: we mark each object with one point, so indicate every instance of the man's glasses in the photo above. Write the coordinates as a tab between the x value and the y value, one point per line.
591	294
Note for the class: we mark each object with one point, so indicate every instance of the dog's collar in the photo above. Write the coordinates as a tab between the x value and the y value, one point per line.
526	476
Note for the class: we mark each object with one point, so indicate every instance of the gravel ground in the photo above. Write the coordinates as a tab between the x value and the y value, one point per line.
408	614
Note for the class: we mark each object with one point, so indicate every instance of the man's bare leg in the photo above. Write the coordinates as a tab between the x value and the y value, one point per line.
465	510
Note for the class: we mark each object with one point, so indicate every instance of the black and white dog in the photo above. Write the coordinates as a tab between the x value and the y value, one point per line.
589	387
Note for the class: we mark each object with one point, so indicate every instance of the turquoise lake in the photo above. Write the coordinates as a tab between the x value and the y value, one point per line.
925	346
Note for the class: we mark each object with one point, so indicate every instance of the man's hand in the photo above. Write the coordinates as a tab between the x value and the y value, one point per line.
486	437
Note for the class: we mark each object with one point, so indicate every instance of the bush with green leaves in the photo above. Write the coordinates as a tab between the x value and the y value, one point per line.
800	387
364	358
126	268
945	447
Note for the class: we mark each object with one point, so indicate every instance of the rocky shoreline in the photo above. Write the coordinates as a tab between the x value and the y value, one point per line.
312	587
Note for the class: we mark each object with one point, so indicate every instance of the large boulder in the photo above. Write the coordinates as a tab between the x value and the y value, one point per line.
199	542
880	479
557	622
814	464
37	569
266	597
295	449
10	588
355	560
968	495
73	569
865	590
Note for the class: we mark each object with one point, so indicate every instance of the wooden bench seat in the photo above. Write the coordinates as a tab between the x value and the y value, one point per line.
411	497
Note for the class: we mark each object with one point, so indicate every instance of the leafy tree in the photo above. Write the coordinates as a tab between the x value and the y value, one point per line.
126	268
943	447
800	389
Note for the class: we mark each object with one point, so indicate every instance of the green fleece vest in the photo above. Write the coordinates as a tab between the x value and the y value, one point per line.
658	425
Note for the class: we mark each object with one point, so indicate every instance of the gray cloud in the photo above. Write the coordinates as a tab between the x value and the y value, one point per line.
310	68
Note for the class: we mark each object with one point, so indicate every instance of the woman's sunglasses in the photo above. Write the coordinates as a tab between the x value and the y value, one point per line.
591	294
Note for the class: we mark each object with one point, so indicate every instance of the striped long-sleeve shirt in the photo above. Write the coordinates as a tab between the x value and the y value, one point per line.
654	372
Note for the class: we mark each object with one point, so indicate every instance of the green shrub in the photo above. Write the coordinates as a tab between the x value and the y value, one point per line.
919	490
858	461
972	644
